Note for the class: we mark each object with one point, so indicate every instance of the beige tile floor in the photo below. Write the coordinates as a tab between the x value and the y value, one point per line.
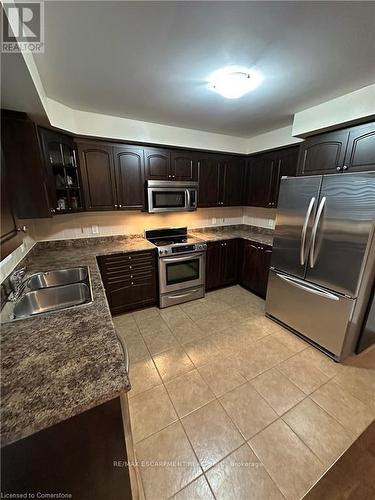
226	404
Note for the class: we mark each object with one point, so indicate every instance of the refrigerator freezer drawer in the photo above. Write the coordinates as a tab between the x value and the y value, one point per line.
320	316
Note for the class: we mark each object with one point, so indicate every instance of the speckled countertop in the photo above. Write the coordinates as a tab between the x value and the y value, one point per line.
253	233
60	364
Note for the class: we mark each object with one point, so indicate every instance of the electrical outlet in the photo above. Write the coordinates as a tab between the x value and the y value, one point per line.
95	229
213	220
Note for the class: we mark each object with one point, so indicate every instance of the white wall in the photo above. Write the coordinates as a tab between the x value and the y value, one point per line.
273	139
356	105
262	217
10	262
130	222
114	127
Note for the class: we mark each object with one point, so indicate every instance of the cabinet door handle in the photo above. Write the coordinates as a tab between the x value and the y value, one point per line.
130	267
120	206
115	206
345	167
338	169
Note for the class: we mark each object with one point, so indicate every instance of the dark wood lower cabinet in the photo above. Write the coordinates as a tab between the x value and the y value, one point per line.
130	280
76	457
221	263
256	260
238	261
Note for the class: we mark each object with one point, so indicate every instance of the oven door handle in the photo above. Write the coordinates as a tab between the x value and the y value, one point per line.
180	295
189	256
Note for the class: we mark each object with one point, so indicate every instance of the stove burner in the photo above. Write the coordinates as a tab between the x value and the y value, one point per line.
172	241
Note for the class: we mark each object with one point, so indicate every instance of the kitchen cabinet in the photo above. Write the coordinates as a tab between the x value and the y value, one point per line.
184	166
112	175
170	165
28	180
98	175
348	150
360	151
209	182
157	164
323	153
221	263
130	280
129	174
10	235
263	175
220	181
258	181
255	265
62	169
75	457
233	182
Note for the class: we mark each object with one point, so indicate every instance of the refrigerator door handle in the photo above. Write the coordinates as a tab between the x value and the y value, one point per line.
302	255
315	230
311	289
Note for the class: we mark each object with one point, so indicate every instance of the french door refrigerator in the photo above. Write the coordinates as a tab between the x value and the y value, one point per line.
323	259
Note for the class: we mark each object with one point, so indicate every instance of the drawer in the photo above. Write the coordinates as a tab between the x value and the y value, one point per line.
128	257
129	266
120	278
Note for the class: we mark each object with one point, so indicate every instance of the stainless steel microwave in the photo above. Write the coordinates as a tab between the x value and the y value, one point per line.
172	196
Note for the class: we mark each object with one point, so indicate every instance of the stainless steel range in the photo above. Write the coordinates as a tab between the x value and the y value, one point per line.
182	265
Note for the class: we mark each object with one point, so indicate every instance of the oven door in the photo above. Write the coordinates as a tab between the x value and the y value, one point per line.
182	271
167	199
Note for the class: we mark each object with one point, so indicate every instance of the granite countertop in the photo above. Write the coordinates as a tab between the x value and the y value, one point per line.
58	365
253	233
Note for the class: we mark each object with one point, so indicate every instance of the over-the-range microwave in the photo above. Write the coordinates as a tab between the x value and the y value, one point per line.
172	196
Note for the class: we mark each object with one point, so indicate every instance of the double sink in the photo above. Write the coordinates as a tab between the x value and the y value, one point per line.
52	291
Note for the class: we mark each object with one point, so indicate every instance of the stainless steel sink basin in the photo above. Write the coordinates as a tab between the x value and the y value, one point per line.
51	299
56	278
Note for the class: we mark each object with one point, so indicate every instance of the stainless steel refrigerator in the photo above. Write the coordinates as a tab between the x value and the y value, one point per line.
323	259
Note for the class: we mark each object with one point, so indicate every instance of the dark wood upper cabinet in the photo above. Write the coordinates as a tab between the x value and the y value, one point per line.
286	161
263	174
98	175
209	170
340	151
157	164
27	176
129	168
259	177
360	152
220	181
233	182
184	166
64	179
323	153
10	236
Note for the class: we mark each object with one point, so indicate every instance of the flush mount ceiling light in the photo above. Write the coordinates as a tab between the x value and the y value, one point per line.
233	82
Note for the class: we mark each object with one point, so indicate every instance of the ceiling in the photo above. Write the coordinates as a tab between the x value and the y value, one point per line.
150	60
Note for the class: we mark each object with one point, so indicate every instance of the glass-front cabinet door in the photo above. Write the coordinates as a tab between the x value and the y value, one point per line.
63	172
